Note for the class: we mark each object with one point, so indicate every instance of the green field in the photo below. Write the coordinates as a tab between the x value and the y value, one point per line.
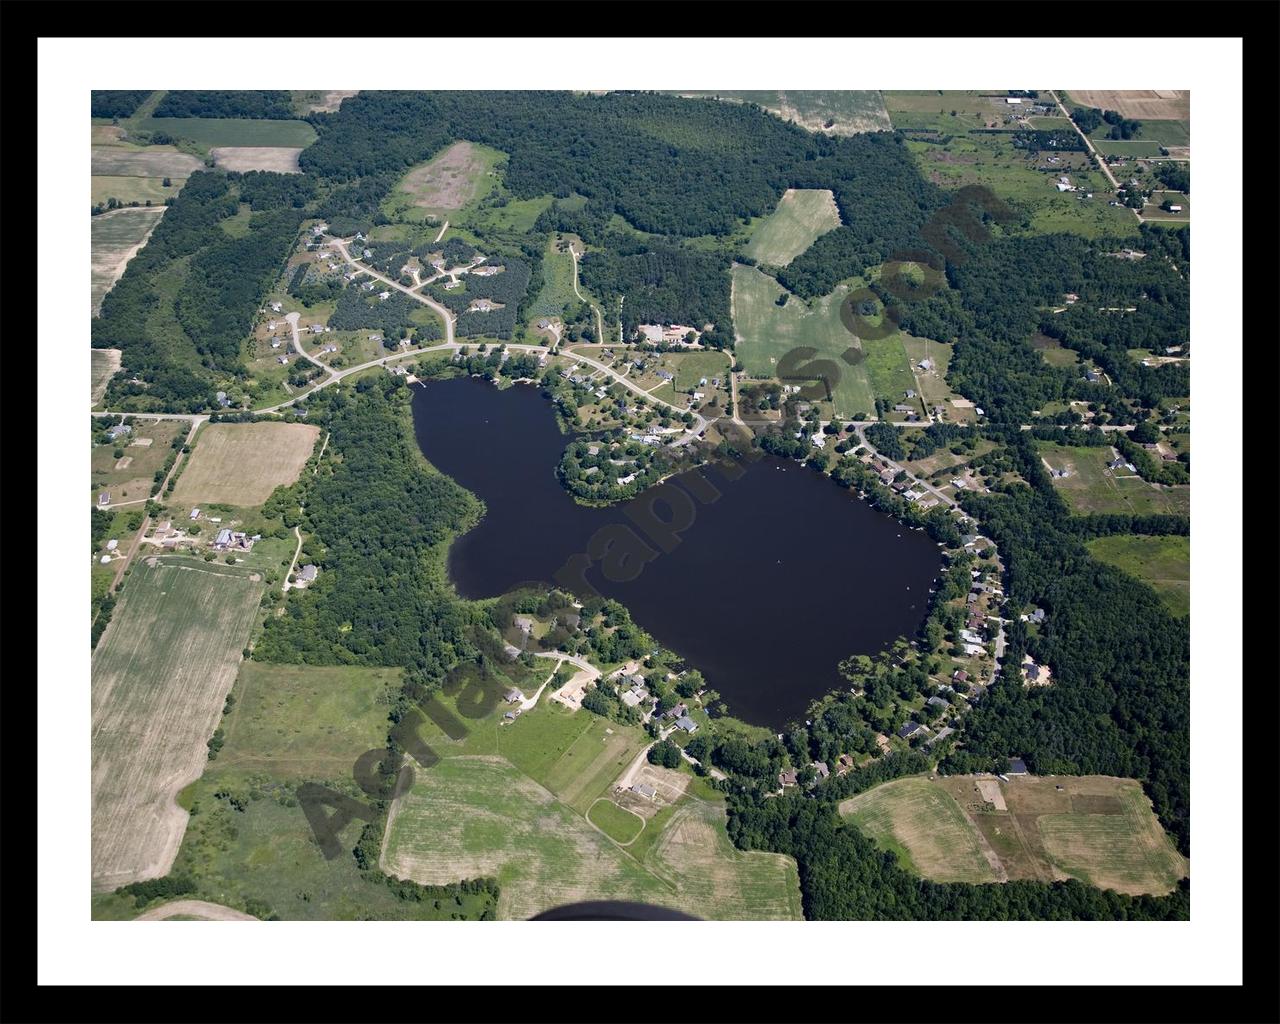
1092	487
1163	562
211	132
801	217
557	285
925	827
691	367
291	723
298	721
160	674
1098	829
620	825
482	816
127	190
768	332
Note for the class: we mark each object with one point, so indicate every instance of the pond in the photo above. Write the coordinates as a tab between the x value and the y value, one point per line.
764	581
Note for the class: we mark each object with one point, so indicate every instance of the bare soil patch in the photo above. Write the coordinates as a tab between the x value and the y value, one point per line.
116	238
332	101
448	182
194	908
281	159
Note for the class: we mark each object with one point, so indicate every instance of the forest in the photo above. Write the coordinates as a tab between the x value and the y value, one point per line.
381	519
254	103
115	103
188	298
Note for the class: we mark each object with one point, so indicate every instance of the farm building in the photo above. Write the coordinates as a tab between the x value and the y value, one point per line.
195	513
1017	766
104	498
644	790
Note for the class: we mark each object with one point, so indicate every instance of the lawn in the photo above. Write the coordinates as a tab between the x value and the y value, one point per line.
1092	487
1163	562
211	132
620	825
802	215
134	478
918	821
691	367
767	332
242	463
160	674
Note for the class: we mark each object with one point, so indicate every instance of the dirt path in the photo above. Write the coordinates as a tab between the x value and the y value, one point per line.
442	231
194	908
594	307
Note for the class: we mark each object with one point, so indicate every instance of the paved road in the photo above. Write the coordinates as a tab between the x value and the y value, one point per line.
292	319
860	430
445	314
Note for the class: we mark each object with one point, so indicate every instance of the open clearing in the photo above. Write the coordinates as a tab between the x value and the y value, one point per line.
1163	562
300	721
160	675
621	825
150	162
449	180
469	816
1098	829
803	214
257	158
1092	487
838	111
1142	104
331	101
103	364
926	829
768	332
242	463
115	239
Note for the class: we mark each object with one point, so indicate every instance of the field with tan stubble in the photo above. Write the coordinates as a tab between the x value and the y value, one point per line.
242	463
160	676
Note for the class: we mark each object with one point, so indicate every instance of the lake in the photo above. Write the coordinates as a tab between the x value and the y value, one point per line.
768	587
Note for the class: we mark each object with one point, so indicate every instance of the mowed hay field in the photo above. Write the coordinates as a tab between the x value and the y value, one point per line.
1098	829
1141	104
1092	487
115	239
767	332
801	217
160	675
103	364
1163	562
242	463
281	159
210	132
924	826
479	815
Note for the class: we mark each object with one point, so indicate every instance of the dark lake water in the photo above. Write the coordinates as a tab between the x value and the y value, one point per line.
765	591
